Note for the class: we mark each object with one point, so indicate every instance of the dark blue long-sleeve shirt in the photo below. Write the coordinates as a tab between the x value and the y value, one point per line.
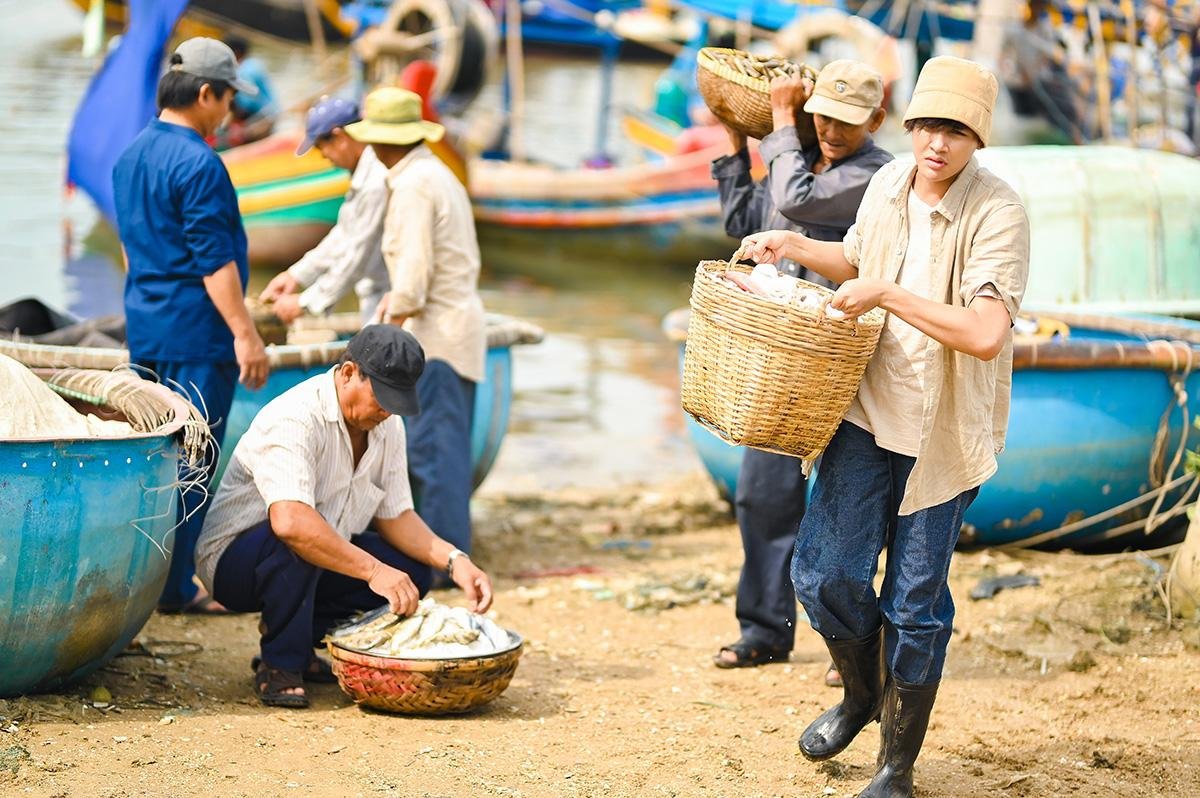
792	196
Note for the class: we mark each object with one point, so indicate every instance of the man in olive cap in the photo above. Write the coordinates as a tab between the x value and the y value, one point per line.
942	245
432	255
816	192
182	235
314	517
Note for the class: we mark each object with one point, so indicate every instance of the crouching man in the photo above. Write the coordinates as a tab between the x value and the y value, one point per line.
942	245
314	517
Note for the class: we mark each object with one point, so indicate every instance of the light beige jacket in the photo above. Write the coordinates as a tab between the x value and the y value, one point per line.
980	236
432	254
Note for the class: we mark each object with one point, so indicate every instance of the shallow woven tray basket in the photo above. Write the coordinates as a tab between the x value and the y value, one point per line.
743	102
774	376
424	686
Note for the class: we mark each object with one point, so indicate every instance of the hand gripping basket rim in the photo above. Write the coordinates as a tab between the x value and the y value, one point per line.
747	104
773	376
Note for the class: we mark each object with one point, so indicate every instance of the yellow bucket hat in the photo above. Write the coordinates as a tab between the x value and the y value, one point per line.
849	91
957	89
393	116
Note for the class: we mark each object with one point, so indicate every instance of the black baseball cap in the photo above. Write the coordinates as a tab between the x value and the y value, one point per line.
393	361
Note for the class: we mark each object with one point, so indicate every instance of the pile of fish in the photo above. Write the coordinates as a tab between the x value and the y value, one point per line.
754	66
765	281
434	631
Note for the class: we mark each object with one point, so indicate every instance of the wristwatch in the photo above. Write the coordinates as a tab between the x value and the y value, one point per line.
454	555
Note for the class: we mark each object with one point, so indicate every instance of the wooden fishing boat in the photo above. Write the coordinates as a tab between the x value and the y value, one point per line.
293	363
281	19
670	207
85	528
1095	426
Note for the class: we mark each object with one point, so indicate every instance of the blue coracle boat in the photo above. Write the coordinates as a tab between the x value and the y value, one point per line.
83	528
1080	467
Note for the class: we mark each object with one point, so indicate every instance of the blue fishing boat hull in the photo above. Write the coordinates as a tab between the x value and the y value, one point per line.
78	577
1079	443
493	402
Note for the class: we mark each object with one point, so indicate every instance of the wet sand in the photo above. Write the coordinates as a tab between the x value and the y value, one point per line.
1075	687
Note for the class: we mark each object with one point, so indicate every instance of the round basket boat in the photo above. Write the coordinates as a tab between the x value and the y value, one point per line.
775	376
741	101
424	686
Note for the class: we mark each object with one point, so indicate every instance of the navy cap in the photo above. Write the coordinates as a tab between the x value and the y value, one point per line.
328	113
393	361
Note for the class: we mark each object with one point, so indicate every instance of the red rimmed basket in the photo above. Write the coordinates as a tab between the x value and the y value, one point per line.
424	686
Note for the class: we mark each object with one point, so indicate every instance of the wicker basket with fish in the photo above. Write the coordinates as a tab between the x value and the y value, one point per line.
736	86
439	660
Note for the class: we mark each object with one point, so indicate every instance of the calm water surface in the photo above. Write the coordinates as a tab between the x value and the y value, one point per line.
596	403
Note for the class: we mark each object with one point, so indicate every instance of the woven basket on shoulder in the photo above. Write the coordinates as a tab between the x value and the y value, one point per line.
424	686
741	101
770	375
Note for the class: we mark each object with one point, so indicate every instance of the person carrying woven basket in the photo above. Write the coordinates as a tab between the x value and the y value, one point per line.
817	192
314	518
432	255
185	247
942	245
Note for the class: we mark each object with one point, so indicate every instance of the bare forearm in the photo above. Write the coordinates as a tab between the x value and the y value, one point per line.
979	330
224	287
410	535
310	536
826	258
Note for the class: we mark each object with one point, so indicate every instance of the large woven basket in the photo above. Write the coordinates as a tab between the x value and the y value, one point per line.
769	375
743	102
424	686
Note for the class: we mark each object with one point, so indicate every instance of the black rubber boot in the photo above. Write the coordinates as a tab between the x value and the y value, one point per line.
906	709
860	664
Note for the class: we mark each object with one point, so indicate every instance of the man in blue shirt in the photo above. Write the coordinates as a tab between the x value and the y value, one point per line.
181	231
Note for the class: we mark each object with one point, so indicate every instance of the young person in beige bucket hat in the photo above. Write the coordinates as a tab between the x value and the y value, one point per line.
432	256
814	191
942	245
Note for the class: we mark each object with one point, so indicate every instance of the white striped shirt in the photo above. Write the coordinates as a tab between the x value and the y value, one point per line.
298	449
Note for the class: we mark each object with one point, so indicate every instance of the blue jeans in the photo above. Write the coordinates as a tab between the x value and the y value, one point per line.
853	515
208	386
439	452
299	602
769	503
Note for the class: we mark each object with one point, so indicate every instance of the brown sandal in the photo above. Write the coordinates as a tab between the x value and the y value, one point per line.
318	671
749	655
270	684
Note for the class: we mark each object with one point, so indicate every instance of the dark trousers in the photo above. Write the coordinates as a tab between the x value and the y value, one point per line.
853	515
208	386
769	505
299	602
439	452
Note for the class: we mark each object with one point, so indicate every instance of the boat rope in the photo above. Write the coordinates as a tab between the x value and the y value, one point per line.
1161	478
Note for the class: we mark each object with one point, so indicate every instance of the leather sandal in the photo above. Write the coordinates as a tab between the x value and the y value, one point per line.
270	684
318	671
748	654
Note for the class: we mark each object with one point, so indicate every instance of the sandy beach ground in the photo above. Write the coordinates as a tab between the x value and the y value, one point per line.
1074	687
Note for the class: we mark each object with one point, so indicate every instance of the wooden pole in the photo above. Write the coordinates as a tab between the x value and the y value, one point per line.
1103	84
316	31
1132	102
516	78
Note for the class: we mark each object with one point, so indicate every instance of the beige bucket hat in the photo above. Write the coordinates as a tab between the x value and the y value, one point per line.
848	91
957	89
393	116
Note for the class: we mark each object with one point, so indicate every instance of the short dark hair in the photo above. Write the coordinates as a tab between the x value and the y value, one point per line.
179	89
936	124
239	45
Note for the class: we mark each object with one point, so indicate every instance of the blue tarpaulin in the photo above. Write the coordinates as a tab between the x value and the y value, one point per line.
120	100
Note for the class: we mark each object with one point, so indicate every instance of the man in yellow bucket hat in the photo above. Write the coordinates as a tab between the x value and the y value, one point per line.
815	191
942	244
432	256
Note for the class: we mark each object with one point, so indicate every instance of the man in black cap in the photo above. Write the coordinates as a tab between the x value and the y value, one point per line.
314	517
